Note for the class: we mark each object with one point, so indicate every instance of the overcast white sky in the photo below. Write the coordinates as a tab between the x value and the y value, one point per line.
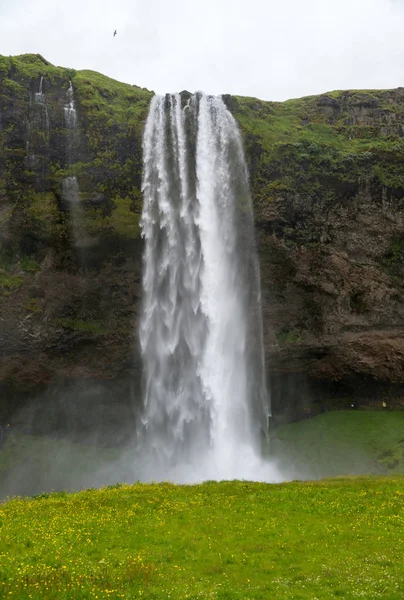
271	49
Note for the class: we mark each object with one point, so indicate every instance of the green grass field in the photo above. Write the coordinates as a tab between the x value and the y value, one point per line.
333	538
339	538
348	442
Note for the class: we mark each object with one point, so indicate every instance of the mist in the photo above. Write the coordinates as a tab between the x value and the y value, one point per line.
56	443
76	438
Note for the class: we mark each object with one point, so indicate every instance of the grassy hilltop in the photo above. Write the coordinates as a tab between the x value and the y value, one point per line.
323	144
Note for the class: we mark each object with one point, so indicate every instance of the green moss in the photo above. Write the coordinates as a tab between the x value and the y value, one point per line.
80	325
29	266
108	144
14	87
390	172
314	148
33	66
34	306
43	206
123	219
47	221
393	259
6	215
10	282
342	443
112	99
289	337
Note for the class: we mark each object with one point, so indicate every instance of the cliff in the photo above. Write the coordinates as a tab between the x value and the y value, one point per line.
327	181
328	185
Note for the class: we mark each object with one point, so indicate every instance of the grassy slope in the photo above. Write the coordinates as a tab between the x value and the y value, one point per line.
35	464
342	443
338	538
303	119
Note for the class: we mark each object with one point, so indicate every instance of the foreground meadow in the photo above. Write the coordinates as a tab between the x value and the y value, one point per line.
335	538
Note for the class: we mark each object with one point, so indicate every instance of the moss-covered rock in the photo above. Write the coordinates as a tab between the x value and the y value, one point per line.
69	266
327	176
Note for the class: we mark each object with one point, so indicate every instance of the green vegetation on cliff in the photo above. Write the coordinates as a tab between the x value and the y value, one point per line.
29	67
10	282
39	152
326	148
80	325
327	179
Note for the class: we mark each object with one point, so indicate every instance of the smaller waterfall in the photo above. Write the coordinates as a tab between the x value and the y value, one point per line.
42	111
69	110
39	96
70	119
38	130
4	205
70	186
70	191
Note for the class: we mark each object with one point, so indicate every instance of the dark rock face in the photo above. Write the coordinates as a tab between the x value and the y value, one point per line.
327	178
70	271
328	183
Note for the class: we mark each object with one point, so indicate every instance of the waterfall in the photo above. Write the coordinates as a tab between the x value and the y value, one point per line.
69	109
70	186
205	400
70	119
42	114
38	129
39	95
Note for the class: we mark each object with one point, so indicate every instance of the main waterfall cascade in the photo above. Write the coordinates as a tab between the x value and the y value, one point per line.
205	401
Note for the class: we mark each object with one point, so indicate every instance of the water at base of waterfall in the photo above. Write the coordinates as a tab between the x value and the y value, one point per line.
205	402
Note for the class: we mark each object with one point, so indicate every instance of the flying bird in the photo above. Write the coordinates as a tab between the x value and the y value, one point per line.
115	32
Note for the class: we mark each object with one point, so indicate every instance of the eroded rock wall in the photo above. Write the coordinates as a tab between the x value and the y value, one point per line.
327	175
70	269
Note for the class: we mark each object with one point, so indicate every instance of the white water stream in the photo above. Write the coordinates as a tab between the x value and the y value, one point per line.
38	131
205	404
70	186
41	115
